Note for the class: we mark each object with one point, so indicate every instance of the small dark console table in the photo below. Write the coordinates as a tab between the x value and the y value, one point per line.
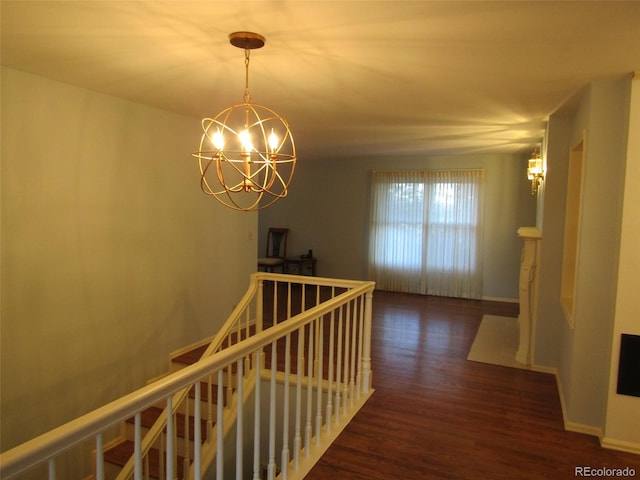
302	265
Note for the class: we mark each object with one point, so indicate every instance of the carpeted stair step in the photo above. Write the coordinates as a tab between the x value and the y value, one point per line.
151	414
204	393
120	453
190	357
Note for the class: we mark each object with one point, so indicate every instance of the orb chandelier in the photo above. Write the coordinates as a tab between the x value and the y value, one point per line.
247	154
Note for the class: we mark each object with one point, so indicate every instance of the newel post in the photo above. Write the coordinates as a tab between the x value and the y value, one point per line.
366	343
528	293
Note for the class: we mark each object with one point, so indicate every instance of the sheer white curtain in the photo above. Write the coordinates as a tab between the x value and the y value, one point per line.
426	232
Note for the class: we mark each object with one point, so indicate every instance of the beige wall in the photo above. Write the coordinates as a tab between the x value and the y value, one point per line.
327	210
111	255
585	355
622	427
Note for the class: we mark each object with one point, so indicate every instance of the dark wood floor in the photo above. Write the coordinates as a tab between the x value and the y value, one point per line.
435	414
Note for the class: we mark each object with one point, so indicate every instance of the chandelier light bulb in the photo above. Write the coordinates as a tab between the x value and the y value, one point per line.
218	140
245	141
273	141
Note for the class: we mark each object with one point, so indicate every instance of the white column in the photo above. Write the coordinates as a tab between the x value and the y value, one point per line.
528	292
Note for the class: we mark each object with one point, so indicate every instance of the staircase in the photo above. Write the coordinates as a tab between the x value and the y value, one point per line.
121	450
231	415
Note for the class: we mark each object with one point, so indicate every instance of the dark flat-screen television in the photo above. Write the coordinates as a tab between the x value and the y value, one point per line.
629	368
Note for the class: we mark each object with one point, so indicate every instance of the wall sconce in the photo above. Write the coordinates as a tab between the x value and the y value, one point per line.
535	172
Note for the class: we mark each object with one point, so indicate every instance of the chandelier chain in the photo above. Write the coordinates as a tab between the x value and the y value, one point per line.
247	96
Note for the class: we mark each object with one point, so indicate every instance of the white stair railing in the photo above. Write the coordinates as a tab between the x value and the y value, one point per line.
340	313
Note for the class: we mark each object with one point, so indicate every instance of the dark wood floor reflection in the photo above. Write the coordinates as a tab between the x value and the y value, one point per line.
436	415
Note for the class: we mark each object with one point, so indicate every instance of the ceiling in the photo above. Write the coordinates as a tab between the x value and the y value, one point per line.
355	78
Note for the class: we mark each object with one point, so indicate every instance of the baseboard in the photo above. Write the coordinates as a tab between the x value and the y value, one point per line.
569	425
501	299
190	347
605	442
621	445
554	371
582	428
544	369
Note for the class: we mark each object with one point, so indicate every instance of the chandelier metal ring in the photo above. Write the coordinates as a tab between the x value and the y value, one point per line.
247	154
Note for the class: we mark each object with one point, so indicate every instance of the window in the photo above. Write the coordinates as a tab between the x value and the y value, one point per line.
426	232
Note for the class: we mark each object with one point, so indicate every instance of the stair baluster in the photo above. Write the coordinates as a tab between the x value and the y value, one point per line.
197	434
257	419
308	427
220	428
239	424
338	366
329	407
99	457
169	448
137	448
271	466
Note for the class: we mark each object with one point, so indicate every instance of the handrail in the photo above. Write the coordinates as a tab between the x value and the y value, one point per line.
216	344
156	429
58	440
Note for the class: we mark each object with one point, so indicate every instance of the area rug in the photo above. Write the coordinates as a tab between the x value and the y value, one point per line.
497	342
